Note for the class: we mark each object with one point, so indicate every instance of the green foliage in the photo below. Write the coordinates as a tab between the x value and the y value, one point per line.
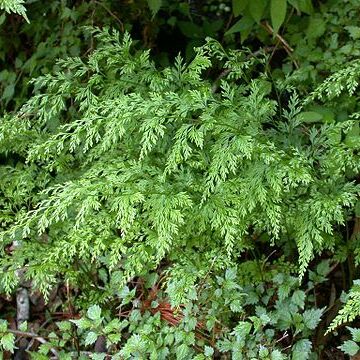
251	320
324	41
20	63
254	12
350	347
351	308
127	166
185	201
13	6
181	154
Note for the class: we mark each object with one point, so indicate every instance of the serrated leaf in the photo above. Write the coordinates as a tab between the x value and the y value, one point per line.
64	325
277	355
277	13
182	352
323	268
114	338
312	317
298	298
242	329
91	338
7	341
238	6
352	139
236	306
301	350
208	351
354	31
94	312
23	326
99	356
82	323
230	274
355	333
3	325
350	347
257	9
154	6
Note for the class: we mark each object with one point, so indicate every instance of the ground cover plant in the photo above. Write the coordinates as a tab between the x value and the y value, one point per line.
199	205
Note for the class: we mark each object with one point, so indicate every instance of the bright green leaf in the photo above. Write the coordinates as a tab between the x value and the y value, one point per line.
91	337
7	341
277	355
354	31
350	347
94	312
355	333
208	351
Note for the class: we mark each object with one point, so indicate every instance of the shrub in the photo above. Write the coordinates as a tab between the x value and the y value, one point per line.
118	172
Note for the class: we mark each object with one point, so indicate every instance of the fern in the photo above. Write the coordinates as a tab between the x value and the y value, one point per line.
14	6
351	309
146	163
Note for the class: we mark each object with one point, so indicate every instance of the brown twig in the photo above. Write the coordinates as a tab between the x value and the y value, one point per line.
289	50
34	336
270	30
111	14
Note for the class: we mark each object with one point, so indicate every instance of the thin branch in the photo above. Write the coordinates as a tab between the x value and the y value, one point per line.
111	14
34	336
270	30
285	44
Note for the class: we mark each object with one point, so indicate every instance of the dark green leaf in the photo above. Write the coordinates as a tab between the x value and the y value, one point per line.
277	13
352	139
316	27
154	6
357	211
8	92
312	318
190	29
243	26
301	350
257	8
298	298
310	117
305	6
238	6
